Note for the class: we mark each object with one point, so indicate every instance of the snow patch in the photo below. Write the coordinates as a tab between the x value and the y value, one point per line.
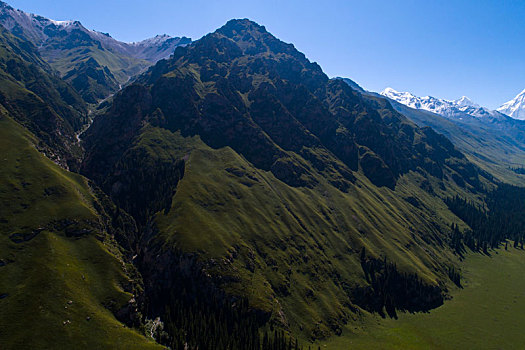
61	23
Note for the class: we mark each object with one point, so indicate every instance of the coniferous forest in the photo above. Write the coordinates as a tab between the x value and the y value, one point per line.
391	289
501	219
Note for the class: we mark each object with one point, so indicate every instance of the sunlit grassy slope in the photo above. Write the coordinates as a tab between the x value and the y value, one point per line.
280	245
488	313
53	288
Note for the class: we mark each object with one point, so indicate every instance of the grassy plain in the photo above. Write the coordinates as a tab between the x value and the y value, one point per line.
488	313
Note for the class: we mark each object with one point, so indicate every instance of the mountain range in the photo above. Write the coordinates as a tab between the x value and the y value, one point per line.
225	193
491	139
94	63
459	109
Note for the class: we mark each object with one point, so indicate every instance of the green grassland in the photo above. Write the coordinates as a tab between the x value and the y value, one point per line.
488	313
55	287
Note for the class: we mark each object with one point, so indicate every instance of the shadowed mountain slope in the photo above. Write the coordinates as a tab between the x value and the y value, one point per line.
40	100
253	175
64	278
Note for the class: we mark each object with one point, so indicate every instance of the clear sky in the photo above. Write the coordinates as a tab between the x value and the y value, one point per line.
440	48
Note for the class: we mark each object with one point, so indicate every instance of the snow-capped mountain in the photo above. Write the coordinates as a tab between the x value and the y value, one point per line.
94	63
515	107
455	109
44	31
156	48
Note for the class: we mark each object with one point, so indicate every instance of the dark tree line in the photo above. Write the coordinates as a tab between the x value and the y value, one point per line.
197	314
217	325
456	240
518	170
454	275
143	186
390	289
503	218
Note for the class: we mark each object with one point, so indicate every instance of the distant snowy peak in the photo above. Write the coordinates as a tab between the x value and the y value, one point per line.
515	107
427	103
33	27
465	102
156	40
157	48
405	98
457	109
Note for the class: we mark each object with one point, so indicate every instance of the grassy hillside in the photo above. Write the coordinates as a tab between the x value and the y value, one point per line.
61	274
293	252
487	314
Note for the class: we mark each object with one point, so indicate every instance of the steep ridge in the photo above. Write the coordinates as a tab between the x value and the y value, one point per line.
64	280
40	100
252	175
352	84
93	62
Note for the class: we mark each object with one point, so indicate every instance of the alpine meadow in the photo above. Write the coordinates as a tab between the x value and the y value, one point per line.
227	193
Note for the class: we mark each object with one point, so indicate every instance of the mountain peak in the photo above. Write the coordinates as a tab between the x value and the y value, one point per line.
157	39
62	23
515	108
253	38
245	33
464	101
237	26
390	90
405	98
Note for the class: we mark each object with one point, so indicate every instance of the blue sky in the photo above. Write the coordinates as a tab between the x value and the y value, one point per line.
440	48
